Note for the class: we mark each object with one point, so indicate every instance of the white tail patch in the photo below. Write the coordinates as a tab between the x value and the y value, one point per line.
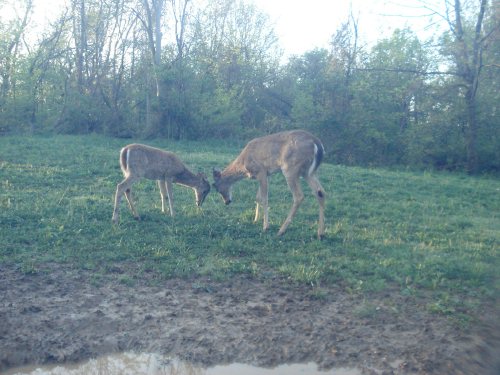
127	159
312	168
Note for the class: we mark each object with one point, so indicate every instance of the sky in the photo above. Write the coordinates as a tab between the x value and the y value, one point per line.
303	25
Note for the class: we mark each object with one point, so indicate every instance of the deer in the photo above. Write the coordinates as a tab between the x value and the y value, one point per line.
139	161
296	153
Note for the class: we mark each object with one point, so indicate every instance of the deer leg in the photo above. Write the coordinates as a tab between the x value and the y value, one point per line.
257	200
256	212
319	193
128	195
263	200
118	197
123	188
163	194
170	195
298	197
166	193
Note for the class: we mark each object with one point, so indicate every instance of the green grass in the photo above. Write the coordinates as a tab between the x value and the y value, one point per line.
432	233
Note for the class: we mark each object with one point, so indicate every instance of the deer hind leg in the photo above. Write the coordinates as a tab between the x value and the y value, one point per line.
298	197
166	192
124	188
128	195
319	193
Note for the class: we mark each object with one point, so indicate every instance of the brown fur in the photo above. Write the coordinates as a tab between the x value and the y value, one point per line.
295	153
140	161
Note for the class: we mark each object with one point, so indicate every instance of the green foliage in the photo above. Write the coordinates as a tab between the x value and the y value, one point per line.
432	232
401	102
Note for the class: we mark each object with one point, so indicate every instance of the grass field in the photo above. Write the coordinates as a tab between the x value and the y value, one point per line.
423	232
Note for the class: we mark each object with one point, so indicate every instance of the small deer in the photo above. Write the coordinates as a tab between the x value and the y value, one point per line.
296	153
140	161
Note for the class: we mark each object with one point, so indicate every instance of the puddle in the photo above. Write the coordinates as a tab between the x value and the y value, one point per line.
152	364
296	369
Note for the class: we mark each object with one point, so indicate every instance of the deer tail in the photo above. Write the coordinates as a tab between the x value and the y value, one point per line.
319	152
124	154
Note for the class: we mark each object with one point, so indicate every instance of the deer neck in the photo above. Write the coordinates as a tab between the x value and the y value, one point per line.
233	173
187	178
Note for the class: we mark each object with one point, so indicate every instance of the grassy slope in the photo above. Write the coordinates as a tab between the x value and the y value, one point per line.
420	231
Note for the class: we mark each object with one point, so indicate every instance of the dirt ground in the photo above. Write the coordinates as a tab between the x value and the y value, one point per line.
61	315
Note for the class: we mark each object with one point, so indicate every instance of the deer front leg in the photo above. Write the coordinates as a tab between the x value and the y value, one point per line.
263	200
166	192
124	188
298	197
163	194
257	204
170	194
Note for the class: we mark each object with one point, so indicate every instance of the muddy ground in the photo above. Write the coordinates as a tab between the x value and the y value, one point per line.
64	315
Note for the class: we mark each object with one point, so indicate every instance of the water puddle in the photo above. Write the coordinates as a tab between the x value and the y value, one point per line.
152	364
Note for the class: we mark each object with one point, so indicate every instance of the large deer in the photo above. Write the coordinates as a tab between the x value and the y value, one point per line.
295	153
140	161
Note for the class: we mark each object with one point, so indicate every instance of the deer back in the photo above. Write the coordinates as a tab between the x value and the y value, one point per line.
296	149
149	162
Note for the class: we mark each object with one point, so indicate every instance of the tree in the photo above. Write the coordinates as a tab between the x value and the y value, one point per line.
395	70
93	64
11	34
345	52
488	98
236	58
180	11
11	37
314	91
465	44
150	13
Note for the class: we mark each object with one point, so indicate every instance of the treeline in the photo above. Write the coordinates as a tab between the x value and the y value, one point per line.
187	69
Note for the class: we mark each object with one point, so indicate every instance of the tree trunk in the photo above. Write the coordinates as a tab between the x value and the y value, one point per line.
471	133
469	65
12	50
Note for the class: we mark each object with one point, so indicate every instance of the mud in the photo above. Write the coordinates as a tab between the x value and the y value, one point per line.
62	315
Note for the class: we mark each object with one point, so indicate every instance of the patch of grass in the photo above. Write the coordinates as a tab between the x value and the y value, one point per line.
433	233
367	310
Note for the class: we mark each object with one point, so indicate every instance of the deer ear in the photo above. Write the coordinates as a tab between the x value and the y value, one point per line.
216	173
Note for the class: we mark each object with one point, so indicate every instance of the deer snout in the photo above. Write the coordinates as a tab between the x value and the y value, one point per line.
200	197
227	197
200	201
